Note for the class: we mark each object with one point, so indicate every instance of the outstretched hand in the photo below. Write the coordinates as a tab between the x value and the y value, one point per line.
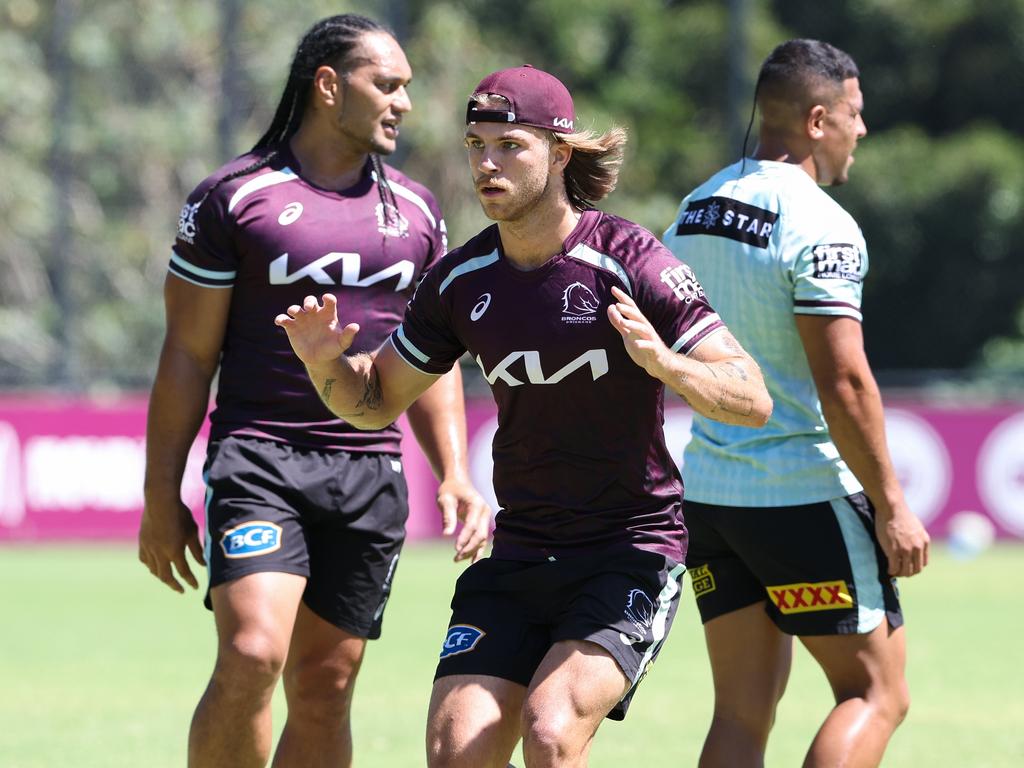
461	501
642	342
313	330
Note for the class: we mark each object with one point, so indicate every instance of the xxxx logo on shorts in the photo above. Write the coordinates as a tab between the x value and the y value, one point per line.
702	580
801	598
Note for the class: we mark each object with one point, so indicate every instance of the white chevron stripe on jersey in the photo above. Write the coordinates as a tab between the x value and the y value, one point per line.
585	253
261	182
468	266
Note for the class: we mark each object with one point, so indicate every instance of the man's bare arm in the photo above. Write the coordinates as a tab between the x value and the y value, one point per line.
718	379
368	390
852	406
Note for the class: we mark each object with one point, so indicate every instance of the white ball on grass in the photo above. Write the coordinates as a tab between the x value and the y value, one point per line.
970	534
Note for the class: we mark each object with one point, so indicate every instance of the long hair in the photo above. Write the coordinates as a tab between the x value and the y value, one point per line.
593	169
331	42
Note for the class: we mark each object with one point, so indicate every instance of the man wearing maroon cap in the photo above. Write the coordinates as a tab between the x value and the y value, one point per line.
578	319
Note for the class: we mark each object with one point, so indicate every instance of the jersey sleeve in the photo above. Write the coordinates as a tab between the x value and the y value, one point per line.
672	299
204	252
424	338
828	272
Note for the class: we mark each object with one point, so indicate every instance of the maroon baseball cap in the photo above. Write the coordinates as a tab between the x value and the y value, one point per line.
537	99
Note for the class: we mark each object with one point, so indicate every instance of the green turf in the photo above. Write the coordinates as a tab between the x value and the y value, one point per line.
100	666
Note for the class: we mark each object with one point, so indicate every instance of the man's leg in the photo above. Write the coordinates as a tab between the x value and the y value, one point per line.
254	616
866	675
575	686
473	721
319	679
750	662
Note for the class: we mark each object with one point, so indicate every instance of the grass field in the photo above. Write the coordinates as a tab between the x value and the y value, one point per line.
101	666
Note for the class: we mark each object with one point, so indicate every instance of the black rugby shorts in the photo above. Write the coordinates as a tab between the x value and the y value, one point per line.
336	518
506	614
818	568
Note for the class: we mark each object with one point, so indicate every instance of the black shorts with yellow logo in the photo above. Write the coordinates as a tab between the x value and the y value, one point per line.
335	517
817	567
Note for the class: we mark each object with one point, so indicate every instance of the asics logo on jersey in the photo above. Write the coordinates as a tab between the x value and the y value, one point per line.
351	263
481	306
290	214
597	359
579	300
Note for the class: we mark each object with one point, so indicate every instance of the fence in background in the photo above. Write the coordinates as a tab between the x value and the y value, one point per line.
72	469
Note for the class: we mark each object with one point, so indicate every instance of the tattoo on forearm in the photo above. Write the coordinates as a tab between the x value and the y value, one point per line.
325	393
732	345
722	390
373	395
734	370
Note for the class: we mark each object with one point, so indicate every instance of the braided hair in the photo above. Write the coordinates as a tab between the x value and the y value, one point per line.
330	41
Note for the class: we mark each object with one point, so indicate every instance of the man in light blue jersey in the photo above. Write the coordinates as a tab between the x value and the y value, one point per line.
799	528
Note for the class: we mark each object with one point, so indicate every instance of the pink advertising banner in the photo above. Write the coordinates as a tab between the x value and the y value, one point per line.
72	469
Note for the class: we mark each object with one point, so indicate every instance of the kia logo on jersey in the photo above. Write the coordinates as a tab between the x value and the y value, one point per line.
596	359
351	265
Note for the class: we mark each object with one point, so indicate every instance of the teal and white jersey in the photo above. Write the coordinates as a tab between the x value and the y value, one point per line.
766	244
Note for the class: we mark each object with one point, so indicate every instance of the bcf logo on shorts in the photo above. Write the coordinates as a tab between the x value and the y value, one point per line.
461	638
251	539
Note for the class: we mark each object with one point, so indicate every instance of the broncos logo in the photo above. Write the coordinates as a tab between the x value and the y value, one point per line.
577	300
640	613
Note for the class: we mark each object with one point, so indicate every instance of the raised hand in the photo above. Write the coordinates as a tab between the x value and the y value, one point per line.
314	331
642	342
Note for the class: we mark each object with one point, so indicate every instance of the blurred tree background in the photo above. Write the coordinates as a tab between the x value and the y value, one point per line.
112	110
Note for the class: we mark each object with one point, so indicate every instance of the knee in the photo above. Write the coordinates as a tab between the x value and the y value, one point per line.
898	703
249	662
749	719
546	734
890	702
322	690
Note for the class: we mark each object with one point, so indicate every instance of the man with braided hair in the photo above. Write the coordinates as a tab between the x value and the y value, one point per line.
305	514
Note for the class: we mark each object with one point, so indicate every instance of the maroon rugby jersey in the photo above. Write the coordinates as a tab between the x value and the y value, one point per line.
274	238
579	456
